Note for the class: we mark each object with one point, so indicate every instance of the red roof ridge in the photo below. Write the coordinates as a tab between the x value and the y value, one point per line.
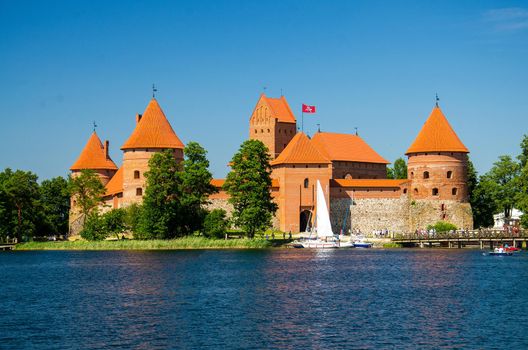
437	135
346	147
153	130
300	150
94	156
115	185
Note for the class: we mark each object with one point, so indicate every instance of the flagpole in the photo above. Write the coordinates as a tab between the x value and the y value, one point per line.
302	119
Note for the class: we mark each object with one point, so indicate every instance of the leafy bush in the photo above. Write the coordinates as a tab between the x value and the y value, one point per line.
99	227
442	226
93	229
215	223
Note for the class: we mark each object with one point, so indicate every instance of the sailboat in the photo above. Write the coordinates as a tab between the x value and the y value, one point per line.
322	236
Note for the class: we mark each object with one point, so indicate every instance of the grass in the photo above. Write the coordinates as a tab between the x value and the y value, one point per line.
180	243
392	245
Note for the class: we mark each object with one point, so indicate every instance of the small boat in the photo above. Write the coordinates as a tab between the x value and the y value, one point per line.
500	251
360	242
323	237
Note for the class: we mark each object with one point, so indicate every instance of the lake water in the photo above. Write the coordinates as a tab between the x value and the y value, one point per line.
281	299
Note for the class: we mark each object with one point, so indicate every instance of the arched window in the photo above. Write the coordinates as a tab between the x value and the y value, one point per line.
348	176
268	131
454	191
139	191
435	191
404	191
415	191
412	174
255	131
306	183
136	174
426	175
449	174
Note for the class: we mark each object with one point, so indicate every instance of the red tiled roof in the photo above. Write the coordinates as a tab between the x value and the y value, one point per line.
115	185
437	135
346	147
367	182
153	131
278	108
218	183
300	150
94	156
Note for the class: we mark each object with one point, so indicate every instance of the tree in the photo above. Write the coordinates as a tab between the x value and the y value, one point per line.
523	157
249	186
20	195
161	204
195	187
55	201
114	222
522	195
215	224
503	183
399	171
93	229
87	191
482	202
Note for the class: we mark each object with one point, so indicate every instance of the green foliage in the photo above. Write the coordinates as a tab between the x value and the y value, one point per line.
442	226
399	171
20	213
215	224
93	229
161	203
55	200
87	191
195	187
99	227
482	202
502	183
249	186
189	242
523	157
132	216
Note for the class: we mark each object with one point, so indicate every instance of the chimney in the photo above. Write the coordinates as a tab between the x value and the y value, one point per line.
138	118
106	147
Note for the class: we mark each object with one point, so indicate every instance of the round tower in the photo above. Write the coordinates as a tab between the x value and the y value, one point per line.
437	164
153	133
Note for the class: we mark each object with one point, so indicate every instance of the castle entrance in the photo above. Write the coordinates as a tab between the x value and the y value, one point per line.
304	220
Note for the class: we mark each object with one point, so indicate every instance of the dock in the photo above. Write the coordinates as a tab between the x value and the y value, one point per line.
483	239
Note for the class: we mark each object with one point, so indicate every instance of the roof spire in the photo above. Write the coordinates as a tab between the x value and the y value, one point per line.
154	90
318	127
356	128
94	126
437	99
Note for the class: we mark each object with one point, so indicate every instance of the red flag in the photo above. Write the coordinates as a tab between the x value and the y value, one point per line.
308	109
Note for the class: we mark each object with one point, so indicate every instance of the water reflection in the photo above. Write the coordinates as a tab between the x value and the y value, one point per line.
262	299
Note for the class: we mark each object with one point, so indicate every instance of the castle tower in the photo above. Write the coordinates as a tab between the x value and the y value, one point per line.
437	165
297	169
153	133
273	123
95	157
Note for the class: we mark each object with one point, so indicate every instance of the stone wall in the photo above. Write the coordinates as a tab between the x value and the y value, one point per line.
222	203
424	212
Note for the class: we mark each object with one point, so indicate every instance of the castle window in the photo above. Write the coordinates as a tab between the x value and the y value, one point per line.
256	131
454	191
139	191
279	131
268	131
306	183
415	191
449	174
426	175
307	165
404	191
348	176
435	192
412	174
136	174
261	131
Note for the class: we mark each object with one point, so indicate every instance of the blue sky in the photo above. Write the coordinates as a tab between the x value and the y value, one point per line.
375	65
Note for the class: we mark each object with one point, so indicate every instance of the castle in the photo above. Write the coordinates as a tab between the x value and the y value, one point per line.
352	174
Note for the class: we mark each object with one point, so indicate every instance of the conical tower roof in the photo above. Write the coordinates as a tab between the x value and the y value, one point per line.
300	150
94	156
153	130
437	135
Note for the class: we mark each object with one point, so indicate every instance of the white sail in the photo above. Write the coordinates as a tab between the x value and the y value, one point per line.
324	229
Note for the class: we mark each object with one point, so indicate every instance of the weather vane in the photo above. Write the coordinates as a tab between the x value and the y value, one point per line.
94	125
356	128
437	99
318	127
154	90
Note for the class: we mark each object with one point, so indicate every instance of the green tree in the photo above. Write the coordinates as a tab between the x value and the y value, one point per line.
93	229
522	195
195	187
523	157
114	222
20	207
55	200
132	216
503	184
399	171
215	224
161	203
87	191
249	186
482	202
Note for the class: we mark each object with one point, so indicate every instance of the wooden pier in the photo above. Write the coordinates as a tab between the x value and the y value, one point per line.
8	245
483	239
